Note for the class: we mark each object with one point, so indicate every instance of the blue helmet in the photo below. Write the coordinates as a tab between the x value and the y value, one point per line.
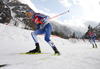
29	10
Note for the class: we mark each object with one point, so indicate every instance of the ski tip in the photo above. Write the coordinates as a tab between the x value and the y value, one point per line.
2	65
56	54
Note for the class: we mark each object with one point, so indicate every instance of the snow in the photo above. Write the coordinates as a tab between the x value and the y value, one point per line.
74	55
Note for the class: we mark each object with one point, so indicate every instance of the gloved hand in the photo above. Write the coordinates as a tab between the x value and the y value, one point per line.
43	20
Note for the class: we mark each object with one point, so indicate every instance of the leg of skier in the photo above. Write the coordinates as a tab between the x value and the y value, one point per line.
34	34
96	45
94	42
48	30
93	45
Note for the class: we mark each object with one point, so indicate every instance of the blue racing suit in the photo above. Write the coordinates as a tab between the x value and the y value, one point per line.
41	20
92	36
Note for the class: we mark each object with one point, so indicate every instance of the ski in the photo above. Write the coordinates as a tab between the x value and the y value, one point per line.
33	53
95	48
37	54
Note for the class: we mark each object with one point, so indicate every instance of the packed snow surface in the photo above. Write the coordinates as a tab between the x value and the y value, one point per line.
75	54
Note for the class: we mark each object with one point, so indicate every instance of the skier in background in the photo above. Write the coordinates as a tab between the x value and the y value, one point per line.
92	36
41	20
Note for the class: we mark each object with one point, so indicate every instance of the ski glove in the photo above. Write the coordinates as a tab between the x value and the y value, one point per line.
43	20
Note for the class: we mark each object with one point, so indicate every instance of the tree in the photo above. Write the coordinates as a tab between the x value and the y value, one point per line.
90	28
73	35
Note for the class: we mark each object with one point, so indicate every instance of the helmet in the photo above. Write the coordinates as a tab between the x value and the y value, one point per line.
29	10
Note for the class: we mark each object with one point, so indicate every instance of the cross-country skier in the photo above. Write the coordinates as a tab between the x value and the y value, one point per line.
92	36
41	20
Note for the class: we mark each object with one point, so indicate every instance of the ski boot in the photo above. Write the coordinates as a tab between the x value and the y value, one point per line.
37	50
96	45
93	45
56	51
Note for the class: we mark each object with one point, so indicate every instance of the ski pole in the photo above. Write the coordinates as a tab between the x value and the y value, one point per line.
59	14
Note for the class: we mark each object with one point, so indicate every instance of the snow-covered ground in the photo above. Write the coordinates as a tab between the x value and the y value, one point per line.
74	55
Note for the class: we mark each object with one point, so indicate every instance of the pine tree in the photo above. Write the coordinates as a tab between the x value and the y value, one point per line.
90	28
73	35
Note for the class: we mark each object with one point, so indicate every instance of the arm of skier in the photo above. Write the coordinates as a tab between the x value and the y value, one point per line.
88	36
94	35
38	27
44	18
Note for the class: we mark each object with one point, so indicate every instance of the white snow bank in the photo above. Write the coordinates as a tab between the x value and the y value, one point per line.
77	55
